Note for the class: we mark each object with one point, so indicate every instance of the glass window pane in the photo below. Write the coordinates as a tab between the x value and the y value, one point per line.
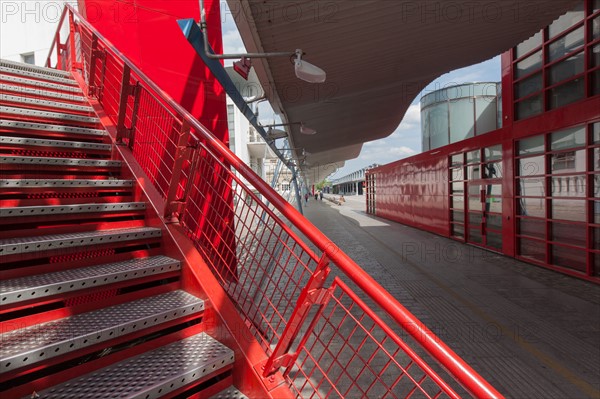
596	27
528	45
533	228
493	189
564	209
528	65
568	162
458	230
493	170
596	82
494	222
567	93
533	187
534	207
532	249
462	119
486	109
569	186
566	69
596	132
493	204
531	145
473	156
596	238
438	125
474	172
458	188
571	233
596	190
475	236
571	138
569	257
458	216
596	55
493	153
457	202
529	86
494	240
531	166
475	203
529	107
565	44
475	218
457	174
457	160
566	21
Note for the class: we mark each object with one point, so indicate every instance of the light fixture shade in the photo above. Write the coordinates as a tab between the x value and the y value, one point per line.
276	133
309	72
307	130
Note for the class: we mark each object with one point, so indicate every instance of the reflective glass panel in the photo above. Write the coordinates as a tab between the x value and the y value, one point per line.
596	132
596	82
494	222
567	93
569	186
475	203
457	159
458	187
493	170
457	174
529	107
596	55
596	238
569	257
566	209
458	216
534	207
474	172
568	162
494	240
567	20
571	138
475	236
528	65
457	202
532	187
565	44
571	233
566	69
596	206
458	230
528	45
493	153
531	145
596	27
473	156
493	189
532	166
475	218
532	249
529	86
493	204
596	192
532	227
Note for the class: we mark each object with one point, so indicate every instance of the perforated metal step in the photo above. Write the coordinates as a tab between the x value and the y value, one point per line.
45	210
50	161
37	83
36	75
67	145
39	93
34	68
44	103
150	375
34	287
23	245
30	345
45	127
58	116
63	183
229	393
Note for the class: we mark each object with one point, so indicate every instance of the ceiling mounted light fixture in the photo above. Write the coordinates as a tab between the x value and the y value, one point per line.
303	128
304	70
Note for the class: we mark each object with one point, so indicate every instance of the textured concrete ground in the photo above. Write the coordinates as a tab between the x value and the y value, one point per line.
531	332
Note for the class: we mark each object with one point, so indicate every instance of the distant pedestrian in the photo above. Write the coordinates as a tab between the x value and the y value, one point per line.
306	198
321	195
316	196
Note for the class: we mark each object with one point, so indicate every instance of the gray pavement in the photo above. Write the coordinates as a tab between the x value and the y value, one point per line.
531	332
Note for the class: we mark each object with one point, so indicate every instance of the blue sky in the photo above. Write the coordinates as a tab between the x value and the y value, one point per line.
406	139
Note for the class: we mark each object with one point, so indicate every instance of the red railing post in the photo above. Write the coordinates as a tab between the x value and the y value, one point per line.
181	154
94	54
126	90
74	63
313	294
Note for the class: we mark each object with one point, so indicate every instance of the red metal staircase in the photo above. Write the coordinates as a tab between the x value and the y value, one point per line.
137	261
85	282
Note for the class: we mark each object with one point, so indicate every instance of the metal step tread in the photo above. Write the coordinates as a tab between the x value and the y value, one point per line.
39	93
22	245
34	68
47	127
229	393
39	286
38	83
48	114
15	159
44	210
45	103
69	145
36	75
63	183
152	374
32	344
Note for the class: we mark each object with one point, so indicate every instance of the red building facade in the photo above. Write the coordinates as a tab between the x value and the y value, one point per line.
530	189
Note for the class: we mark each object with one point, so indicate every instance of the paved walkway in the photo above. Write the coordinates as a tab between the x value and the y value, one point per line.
531	332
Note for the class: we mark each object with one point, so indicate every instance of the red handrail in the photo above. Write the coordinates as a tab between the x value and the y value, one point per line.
461	371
